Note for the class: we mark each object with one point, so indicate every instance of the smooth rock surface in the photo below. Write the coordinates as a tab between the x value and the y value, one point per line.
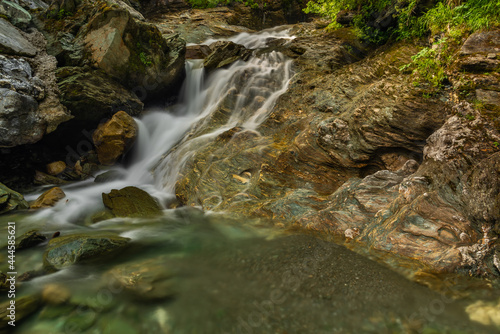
12	42
131	202
49	198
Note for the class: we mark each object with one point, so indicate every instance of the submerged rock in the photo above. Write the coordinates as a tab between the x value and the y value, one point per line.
11	200
24	306
49	198
64	251
146	280
131	202
115	137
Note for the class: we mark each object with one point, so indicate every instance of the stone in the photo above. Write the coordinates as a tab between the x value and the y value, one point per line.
29	239
17	15
49	198
55	168
11	200
55	294
25	306
19	121
483	42
34	4
16	74
12	42
131	202
110	175
147	280
115	137
198	51
43	179
83	247
225	53
135	53
92	96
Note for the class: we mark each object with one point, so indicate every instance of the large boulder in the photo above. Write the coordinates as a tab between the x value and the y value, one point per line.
115	137
92	96
64	251
131	202
11	200
134	53
13	42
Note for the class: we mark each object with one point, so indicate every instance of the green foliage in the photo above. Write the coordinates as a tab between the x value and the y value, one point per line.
145	59
496	144
414	19
62	14
262	4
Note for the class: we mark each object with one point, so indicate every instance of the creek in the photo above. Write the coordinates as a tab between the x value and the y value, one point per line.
191	271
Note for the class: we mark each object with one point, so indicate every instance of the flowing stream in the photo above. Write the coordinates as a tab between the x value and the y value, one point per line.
195	272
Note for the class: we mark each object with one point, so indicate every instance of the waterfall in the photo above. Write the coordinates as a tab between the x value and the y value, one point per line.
252	87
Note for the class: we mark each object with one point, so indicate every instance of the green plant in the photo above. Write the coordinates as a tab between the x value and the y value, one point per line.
496	144
470	117
145	59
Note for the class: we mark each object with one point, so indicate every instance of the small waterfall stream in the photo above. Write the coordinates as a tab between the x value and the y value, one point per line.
258	83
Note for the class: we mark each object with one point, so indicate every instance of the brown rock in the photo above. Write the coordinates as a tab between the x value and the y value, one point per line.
49	198
115	137
197	51
55	294
56	168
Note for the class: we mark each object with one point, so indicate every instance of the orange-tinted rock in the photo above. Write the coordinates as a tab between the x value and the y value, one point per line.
115	137
56	168
49	198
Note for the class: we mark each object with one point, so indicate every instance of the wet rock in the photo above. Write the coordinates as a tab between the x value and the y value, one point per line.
225	53
16	74
197	51
115	137
131	202
43	179
49	198
55	294
92	96
64	251
56	168
146	280
12	42
11	200
24	307
108	176
29	239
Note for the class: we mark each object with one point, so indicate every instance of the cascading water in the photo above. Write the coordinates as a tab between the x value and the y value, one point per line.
256	85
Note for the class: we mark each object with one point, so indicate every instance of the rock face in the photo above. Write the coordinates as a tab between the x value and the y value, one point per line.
115	137
12	42
64	251
131	202
49	198
11	200
357	151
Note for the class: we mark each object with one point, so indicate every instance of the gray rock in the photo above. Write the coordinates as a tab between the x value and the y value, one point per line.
12	42
19	121
17	14
16	74
34	4
225	53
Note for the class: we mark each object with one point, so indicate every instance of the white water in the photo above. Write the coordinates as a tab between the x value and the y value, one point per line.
258	83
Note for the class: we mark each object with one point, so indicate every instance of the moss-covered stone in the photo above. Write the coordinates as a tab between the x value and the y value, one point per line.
131	202
64	251
11	200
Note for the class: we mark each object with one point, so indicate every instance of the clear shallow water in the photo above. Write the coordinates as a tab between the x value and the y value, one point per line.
194	272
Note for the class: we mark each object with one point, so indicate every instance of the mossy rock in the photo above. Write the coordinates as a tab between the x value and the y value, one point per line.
11	200
81	247
131	202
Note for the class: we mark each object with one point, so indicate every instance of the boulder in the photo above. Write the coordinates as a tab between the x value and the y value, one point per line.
17	14
11	200
199	51
225	53
56	168
115	137
49	198
135	53
13	42
91	95
131	202
29	239
19	121
16	74
25	306
64	251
